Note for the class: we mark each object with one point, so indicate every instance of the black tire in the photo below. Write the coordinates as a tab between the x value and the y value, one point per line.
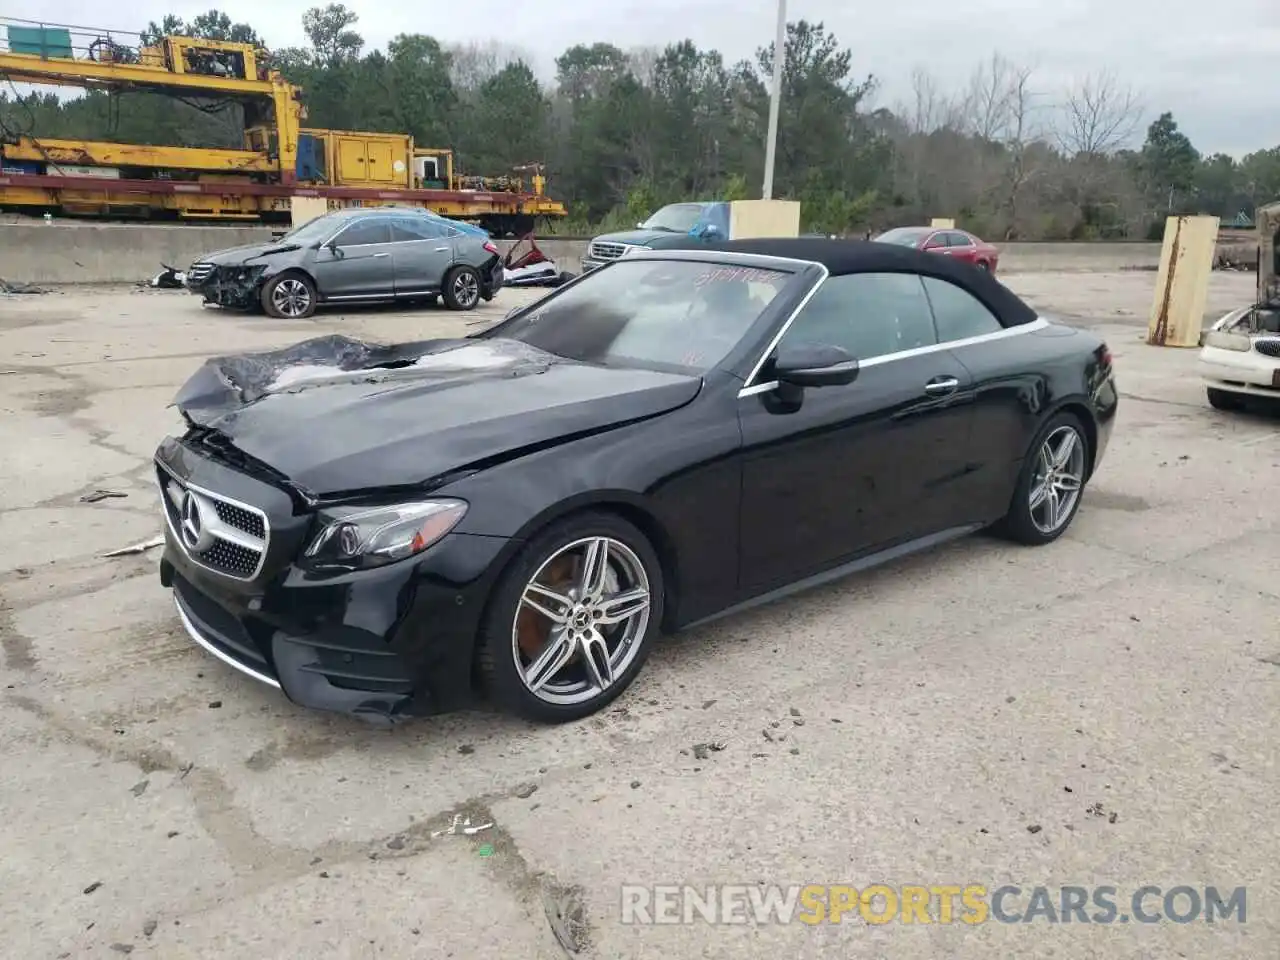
1224	399
462	288
299	303
1022	524
498	642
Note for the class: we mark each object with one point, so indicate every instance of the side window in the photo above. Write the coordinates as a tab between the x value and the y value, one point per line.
868	314
414	228
958	313
363	232
958	240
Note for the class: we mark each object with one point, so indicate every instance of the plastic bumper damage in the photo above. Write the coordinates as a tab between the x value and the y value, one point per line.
236	287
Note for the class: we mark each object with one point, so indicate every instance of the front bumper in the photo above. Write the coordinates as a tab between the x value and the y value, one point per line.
381	644
1239	371
235	287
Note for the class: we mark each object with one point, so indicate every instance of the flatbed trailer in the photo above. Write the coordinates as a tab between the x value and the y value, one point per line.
281	158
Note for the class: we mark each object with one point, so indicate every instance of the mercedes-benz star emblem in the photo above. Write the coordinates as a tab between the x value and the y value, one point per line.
193	532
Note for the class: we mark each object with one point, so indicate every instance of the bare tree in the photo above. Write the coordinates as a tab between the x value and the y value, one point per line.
642	61
1099	115
1022	133
474	63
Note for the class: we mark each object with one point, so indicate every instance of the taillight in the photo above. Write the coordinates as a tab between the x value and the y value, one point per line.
488	245
1104	357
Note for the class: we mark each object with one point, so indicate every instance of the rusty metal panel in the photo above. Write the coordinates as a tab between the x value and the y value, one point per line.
1182	283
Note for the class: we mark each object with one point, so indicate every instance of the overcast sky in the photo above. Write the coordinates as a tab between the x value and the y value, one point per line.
1213	65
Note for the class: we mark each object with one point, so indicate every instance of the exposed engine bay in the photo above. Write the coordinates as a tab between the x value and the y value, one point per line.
1262	317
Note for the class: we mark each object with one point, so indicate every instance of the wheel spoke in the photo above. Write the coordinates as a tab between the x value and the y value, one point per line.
1066	483
595	567
1054	506
1062	455
1039	493
542	599
622	606
1046	460
559	651
597	658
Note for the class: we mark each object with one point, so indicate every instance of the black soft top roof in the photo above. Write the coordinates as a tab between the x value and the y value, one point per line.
842	257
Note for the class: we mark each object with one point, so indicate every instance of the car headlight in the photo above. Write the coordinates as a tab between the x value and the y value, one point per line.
357	538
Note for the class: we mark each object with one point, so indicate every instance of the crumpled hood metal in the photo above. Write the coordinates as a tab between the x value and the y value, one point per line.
338	415
234	256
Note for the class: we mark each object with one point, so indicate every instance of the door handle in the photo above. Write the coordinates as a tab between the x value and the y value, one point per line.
377	256
940	386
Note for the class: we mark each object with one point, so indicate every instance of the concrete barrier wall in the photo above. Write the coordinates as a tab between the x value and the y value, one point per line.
127	253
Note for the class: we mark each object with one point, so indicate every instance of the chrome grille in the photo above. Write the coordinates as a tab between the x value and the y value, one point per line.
218	533
607	251
199	272
1268	348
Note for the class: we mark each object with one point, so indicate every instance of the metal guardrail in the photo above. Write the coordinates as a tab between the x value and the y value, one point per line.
49	40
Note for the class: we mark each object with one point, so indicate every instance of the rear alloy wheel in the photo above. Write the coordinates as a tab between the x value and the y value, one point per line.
462	288
571	622
1224	399
984	266
1051	484
291	296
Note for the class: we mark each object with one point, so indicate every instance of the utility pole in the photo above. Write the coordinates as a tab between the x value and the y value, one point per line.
775	99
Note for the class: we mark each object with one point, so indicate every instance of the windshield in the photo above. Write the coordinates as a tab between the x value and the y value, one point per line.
675	217
904	236
658	314
312	230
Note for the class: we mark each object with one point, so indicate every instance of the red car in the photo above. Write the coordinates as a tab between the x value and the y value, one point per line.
947	241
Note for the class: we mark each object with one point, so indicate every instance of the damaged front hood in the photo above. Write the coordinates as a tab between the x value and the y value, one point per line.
337	415
234	256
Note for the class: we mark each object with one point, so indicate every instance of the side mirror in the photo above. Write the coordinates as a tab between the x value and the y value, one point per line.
814	365
710	232
332	247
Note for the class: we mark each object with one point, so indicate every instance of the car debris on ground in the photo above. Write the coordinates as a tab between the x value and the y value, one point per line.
170	278
7	286
102	495
525	265
140	547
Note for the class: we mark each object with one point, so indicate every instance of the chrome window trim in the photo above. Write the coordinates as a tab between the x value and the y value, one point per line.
1040	323
257	511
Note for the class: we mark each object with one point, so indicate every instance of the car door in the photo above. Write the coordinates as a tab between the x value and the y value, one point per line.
422	253
1005	388
960	246
936	243
846	470
357	263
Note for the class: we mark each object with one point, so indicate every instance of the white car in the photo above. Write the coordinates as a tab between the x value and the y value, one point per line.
1240	357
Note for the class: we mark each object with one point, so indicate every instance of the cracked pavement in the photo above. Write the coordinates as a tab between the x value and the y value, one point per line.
903	726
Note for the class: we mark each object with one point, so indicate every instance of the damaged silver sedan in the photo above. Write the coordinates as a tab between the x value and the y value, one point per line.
352	256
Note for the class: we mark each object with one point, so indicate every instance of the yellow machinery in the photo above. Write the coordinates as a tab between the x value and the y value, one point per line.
281	158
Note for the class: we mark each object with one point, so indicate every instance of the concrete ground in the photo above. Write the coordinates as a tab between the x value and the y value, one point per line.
1116	691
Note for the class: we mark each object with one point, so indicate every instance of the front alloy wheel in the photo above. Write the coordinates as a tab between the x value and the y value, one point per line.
580	620
292	297
571	622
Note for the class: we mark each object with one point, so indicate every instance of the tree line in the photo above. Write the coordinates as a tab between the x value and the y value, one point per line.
623	131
